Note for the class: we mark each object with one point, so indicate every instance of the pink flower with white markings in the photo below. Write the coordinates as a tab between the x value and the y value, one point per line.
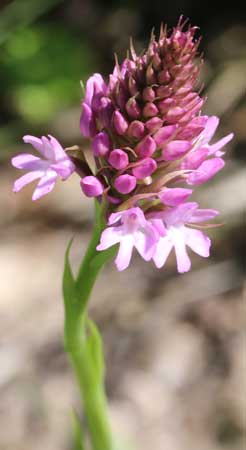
177	222
130	229
53	164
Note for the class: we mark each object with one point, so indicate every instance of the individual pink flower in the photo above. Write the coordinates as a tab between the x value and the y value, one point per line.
177	222
130	229
94	91
54	163
204	159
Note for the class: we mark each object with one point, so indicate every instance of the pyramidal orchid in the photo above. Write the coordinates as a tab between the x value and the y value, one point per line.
152	147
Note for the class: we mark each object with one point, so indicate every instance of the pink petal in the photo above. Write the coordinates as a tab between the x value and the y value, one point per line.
163	249
145	245
175	149
39	145
26	179
213	149
91	186
197	241
210	128
194	159
27	161
109	237
180	214
183	260
87	121
124	255
97	82
202	215
205	171
57	150
45	185
174	196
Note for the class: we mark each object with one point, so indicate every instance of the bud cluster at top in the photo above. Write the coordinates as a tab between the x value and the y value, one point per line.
151	146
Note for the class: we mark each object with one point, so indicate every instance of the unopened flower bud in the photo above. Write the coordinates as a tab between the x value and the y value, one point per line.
125	183
101	144
146	147
164	133
153	124
91	186
132	108
120	123
118	159
150	110
87	121
149	94
136	129
145	168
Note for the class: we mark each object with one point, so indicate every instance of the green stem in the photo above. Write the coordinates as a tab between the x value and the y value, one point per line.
91	387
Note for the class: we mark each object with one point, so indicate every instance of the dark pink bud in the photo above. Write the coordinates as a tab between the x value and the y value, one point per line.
164	76
165	105
153	124
91	186
175	149
133	87
174	114
164	133
105	111
118	159
87	121
174	196
150	110
136	129
120	123
146	147
149	94
101	144
145	168
156	61
125	183
132	108
150	75
163	91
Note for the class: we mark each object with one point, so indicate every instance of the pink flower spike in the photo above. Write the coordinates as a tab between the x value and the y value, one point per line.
174	196
118	159
131	230
125	183
145	168
101	144
91	186
54	163
205	171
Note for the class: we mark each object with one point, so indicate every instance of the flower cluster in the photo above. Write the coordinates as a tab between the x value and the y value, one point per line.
151	145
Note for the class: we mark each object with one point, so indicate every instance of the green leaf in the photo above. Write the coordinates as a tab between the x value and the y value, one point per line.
70	297
78	435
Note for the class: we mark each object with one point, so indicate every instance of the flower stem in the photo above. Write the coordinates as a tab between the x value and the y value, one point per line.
84	347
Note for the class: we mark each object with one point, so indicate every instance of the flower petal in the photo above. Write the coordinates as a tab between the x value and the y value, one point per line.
109	237
183	260
163	249
145	244
205	171
202	215
45	185
197	241
213	149
124	255
26	179
27	161
174	196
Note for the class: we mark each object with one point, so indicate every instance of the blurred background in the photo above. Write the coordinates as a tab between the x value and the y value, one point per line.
175	344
